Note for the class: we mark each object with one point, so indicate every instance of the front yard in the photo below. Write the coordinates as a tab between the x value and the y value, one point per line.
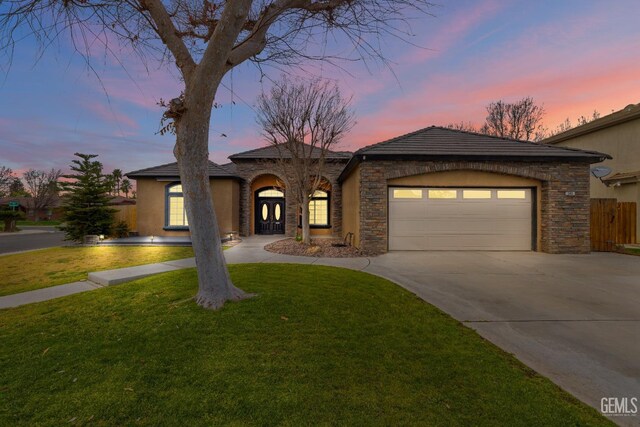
49	267
318	345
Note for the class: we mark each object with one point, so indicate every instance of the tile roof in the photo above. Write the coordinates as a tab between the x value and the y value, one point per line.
171	170
444	142
271	152
630	112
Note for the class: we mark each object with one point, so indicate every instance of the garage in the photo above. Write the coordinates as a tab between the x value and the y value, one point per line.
429	218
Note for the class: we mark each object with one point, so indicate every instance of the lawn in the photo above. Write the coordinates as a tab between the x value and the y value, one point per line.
318	345
48	267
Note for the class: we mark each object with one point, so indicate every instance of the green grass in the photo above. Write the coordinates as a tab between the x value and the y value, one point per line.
318	345
41	223
49	267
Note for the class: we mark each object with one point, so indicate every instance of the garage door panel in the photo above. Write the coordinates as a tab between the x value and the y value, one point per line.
460	224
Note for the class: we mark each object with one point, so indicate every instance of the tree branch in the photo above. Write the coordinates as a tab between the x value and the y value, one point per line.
169	36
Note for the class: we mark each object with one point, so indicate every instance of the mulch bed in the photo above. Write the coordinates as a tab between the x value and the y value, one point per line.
320	248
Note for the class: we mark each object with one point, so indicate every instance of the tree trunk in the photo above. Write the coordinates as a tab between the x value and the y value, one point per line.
306	235
214	283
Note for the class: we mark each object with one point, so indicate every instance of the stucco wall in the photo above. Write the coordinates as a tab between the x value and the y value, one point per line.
151	206
351	206
621	142
469	178
564	218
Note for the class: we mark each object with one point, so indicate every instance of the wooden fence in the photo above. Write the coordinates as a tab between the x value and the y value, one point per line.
613	223
128	214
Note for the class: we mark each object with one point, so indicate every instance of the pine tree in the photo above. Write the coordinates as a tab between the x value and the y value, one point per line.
86	209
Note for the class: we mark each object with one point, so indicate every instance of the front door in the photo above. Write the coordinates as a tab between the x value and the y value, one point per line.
269	216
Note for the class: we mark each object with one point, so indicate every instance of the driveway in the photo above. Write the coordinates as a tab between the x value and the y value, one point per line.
31	238
573	318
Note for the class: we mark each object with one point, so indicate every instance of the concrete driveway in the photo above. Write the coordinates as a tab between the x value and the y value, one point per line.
573	318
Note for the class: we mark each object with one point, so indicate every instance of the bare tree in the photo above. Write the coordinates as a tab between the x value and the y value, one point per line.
207	39
6	179
518	120
303	121
567	124
42	187
463	126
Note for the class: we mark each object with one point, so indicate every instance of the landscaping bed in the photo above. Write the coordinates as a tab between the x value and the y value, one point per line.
316	346
318	248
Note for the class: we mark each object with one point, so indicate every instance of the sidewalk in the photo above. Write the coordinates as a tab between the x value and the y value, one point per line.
250	250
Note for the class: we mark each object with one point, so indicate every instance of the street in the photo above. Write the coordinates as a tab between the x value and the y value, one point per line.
47	238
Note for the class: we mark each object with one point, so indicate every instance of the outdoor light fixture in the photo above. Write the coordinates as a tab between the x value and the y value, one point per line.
151	239
230	236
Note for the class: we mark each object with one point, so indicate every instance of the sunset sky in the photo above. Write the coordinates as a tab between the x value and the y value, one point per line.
571	56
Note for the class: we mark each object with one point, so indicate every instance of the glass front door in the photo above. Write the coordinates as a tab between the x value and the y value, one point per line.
269	216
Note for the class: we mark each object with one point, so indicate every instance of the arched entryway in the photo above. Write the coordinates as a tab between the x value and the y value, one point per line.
270	211
268	205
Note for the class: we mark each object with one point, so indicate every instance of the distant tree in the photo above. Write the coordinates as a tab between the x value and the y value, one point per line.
117	177
463	126
567	124
6	178
582	120
518	120
303	121
9	217
125	186
42	187
16	189
86	207
110	183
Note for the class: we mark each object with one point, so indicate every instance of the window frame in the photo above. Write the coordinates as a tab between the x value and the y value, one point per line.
319	226
167	196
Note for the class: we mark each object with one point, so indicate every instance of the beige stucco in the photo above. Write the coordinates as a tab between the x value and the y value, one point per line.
621	142
351	206
468	178
151	206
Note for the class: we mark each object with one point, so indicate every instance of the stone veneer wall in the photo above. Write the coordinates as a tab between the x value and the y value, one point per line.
249	170
565	218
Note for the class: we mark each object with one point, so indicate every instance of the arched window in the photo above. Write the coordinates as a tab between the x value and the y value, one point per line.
271	192
319	209
176	214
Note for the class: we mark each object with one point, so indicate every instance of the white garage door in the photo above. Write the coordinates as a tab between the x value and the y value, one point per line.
460	219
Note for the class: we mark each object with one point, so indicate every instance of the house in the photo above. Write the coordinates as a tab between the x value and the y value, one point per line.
433	189
617	134
26	205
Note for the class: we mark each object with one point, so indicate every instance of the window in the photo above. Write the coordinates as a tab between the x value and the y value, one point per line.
319	209
406	193
512	194
476	194
176	214
272	192
443	194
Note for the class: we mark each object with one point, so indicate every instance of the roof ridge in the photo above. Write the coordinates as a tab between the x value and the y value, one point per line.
151	167
272	146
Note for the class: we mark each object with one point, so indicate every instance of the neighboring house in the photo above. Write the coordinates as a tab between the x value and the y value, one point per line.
617	134
51	212
433	189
